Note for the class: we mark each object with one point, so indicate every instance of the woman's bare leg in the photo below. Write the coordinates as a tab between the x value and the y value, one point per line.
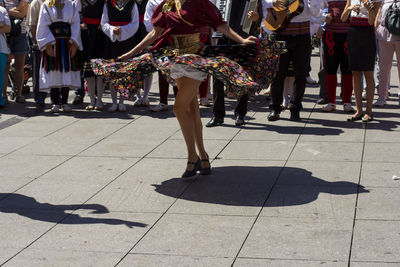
185	113
369	78
357	85
198	130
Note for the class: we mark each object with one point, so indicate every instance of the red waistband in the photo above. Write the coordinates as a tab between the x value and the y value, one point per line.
92	21
119	23
355	21
141	18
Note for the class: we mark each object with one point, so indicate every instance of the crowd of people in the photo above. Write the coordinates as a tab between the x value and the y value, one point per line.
76	43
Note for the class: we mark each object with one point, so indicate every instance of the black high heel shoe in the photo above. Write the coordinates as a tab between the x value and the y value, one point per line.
206	170
197	166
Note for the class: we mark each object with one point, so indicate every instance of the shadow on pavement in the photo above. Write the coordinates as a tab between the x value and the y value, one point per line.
29	207
251	186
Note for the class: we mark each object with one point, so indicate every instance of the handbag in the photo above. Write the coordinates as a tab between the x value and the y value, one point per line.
392	19
15	26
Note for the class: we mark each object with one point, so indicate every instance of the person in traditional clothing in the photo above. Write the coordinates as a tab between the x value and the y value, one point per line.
181	21
120	22
5	27
335	55
186	62
59	37
92	36
142	98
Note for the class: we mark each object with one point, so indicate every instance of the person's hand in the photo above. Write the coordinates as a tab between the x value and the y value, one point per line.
369	5
355	8
249	40
84	26
253	15
117	30
279	4
328	18
319	32
72	49
50	50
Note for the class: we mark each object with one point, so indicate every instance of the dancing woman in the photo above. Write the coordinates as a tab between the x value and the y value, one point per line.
179	54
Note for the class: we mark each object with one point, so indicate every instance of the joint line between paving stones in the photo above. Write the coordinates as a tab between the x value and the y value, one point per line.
64	218
270	191
358	193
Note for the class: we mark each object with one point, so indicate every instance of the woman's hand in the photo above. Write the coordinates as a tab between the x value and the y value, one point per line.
84	26
249	40
355	8
117	30
50	50
369	5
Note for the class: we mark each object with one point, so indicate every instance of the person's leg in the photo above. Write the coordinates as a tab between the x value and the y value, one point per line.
241	108
369	78
113	93
147	86
91	86
6	71
358	89
186	114
219	101
386	51
100	90
19	76
3	62
397	49
203	92
163	86
64	99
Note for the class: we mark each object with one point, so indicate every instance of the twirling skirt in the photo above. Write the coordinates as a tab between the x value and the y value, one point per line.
243	69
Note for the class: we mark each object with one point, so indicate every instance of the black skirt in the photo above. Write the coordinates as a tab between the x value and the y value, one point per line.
362	48
92	39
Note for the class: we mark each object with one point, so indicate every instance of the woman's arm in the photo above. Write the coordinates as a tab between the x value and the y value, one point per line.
377	17
373	8
231	34
148	40
347	10
19	11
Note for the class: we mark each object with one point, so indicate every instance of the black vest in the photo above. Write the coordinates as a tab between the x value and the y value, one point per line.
120	13
92	9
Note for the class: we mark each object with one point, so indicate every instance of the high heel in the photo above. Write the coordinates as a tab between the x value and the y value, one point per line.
206	170
193	172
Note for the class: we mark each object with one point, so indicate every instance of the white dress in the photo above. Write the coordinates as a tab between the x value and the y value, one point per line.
44	36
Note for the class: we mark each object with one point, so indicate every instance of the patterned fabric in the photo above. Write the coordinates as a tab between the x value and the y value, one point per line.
243	69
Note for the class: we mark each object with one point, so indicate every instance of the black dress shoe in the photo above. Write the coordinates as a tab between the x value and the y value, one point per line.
273	116
215	121
294	115
239	121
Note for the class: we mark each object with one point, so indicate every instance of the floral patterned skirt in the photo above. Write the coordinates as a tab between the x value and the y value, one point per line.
243	69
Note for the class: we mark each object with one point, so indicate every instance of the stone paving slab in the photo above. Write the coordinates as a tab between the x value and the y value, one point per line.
376	240
332	173
108	232
243	262
258	150
326	151
310	201
382	152
380	174
380	204
192	235
143	260
9	144
63	257
299	238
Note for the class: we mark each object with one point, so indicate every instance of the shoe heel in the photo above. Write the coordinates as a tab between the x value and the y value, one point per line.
207	170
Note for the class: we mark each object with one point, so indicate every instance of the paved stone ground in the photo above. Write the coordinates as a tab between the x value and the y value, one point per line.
101	189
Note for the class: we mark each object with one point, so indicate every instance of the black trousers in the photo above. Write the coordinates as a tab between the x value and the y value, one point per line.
299	47
59	96
219	101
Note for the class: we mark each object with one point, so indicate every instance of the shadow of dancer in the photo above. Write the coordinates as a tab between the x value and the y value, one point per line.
251	186
29	207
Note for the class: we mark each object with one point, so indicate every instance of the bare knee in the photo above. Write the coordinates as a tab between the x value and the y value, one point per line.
181	109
